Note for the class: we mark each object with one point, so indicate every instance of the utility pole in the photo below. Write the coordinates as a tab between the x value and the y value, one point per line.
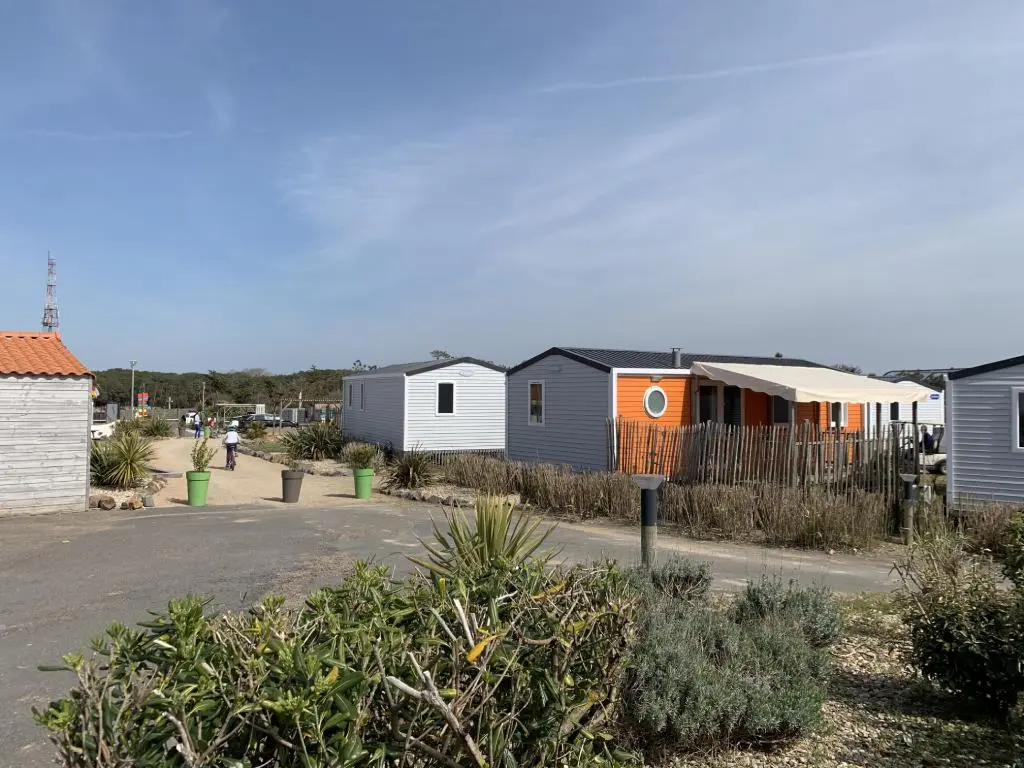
202	406
131	403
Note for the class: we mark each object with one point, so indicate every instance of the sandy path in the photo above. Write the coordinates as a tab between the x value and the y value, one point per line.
254	481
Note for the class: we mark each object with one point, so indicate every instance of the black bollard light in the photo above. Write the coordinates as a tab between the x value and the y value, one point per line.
648	485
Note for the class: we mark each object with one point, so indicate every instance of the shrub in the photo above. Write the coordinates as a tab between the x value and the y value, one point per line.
412	469
812	610
255	430
1013	550
122	461
484	473
501	539
313	442
698	679
154	427
679	578
363	456
128	425
202	455
966	632
512	668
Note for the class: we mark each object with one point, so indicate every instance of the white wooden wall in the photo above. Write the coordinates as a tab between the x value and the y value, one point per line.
44	444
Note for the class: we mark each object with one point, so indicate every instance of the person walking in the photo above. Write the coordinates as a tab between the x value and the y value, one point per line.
199	425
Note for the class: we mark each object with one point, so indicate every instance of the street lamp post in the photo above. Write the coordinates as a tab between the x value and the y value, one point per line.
131	403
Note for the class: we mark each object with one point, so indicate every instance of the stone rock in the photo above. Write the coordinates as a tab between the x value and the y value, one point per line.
103	502
133	503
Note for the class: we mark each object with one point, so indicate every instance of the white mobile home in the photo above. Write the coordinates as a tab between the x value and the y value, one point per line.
45	420
441	405
931	411
985	433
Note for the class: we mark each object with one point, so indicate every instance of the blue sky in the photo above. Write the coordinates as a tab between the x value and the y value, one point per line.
268	184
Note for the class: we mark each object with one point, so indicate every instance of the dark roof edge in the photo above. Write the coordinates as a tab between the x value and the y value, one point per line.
1009	362
454	361
563	353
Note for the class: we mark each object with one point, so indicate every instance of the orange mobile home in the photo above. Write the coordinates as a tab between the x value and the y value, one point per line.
559	402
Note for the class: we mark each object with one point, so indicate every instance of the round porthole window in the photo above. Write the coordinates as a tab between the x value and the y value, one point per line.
655	402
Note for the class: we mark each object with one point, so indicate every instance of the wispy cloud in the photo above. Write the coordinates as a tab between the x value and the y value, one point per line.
221	104
107	135
745	70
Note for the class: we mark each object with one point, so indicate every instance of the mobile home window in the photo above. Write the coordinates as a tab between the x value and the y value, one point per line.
1018	418
350	388
362	396
840	412
445	398
894	411
780	410
536	402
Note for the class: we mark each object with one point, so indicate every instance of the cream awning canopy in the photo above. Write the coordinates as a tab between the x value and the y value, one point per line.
801	384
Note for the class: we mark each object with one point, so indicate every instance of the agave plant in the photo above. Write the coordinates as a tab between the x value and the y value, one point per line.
122	461
314	442
154	427
412	469
500	539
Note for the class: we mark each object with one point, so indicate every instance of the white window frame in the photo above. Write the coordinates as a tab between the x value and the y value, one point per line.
437	400
647	408
543	403
1016	437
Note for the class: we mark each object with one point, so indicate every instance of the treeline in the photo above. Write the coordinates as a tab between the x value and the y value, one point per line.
185	390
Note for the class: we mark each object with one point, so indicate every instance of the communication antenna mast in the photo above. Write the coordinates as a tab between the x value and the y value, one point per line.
51	316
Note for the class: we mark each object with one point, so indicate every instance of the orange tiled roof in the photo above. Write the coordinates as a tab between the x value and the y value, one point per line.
37	354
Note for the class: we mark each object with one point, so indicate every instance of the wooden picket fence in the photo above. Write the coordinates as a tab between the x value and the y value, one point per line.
801	456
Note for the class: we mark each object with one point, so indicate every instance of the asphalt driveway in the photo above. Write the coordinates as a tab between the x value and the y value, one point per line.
63	579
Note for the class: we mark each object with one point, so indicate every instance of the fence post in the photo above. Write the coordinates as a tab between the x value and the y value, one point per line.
648	485
907	507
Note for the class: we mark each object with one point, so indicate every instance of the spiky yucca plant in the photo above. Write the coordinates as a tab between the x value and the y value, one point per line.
154	427
411	469
500	539
314	442
121	461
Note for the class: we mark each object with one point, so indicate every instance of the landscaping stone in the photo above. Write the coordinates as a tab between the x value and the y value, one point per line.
132	503
105	502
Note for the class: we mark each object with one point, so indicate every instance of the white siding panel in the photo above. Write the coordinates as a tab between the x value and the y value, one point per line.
478	423
381	420
44	444
576	408
982	463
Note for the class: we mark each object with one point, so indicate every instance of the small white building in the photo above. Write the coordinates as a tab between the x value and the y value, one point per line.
985	433
45	422
441	405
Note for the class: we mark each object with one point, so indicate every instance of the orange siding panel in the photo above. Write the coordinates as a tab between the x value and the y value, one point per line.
630	399
756	411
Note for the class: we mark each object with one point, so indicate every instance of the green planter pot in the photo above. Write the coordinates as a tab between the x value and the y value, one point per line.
364	483
206	432
198	485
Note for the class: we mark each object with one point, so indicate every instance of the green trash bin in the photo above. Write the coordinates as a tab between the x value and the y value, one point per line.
206	432
364	483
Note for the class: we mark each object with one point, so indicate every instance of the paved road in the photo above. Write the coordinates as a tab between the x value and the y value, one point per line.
63	579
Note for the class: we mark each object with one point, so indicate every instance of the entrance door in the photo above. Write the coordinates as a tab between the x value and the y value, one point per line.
708	398
732	407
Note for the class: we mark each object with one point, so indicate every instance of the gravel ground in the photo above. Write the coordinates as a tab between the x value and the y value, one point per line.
880	714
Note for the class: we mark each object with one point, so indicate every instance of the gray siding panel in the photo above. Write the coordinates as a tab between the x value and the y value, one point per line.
381	419
478	423
576	409
44	444
982	465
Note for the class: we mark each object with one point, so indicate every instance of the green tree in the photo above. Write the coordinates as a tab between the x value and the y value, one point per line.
440	354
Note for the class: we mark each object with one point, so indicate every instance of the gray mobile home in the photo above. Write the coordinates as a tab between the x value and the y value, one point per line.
441	405
45	421
985	433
